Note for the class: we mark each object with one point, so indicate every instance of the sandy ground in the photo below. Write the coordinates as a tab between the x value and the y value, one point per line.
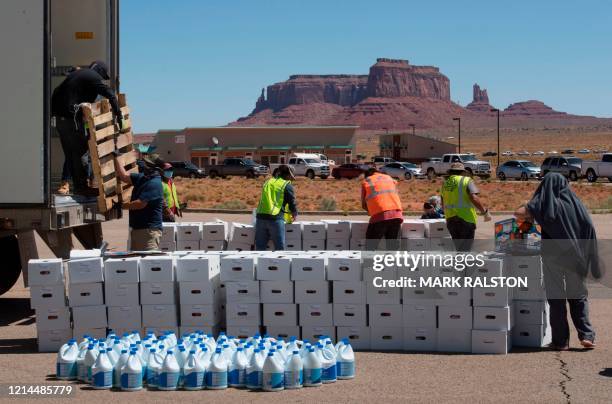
576	376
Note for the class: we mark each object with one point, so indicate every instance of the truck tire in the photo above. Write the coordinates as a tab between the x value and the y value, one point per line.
431	174
310	174
11	263
573	176
524	177
407	175
192	175
324	177
213	174
469	172
591	176
250	174
501	176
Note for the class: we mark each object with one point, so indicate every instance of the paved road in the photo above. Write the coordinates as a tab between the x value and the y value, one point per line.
523	376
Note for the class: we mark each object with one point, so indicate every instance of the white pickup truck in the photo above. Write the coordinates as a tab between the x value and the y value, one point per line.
596	169
306	164
472	166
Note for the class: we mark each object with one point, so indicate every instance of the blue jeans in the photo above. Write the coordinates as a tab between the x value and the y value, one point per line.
269	229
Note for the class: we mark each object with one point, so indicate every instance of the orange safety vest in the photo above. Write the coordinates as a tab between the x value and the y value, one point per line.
380	194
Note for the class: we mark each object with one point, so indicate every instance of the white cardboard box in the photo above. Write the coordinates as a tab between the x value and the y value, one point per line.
424	295
242	292
280	314
214	230
167	246
161	330
337	244
157	293
386	295
533	291
52	340
199	314
493	267
493	318
387	338
534	336
385	315
441	244
124	317
454	340
197	293
313	244
188	245
413	229
237	268
206	329
497	297
49	296
276	291
43	272
350	315
338	229
212	245
122	294
315	332
420	339
312	292
48	318
456	296
188	231
308	268
419	316
418	244
168	232
86	270
243	314
283	331
293	245
236	246
121	270
293	231
243	332
243	233
157	269
313	231
89	317
530	312
357	244
455	317
273	268
529	266
85	294
359	337
352	292
97	333
491	342
435	228
316	314
159	315
345	268
197	268
359	229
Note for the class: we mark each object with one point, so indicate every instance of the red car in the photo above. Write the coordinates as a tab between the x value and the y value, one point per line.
348	171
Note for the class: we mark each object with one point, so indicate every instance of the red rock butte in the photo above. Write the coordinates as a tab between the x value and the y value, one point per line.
393	96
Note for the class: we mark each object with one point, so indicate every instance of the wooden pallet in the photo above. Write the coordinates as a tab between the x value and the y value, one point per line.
104	139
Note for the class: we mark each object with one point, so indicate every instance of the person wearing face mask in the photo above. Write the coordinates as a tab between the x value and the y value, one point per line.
82	85
173	205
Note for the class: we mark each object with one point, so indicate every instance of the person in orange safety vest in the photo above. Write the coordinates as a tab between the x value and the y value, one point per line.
380	198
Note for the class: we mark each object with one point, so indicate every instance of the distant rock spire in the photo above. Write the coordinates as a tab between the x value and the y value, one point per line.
480	100
260	104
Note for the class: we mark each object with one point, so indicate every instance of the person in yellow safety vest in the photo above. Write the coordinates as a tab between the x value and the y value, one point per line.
172	206
276	205
460	200
379	197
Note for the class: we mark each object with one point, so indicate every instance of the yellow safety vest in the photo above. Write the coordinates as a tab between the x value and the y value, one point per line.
170	195
273	197
457	199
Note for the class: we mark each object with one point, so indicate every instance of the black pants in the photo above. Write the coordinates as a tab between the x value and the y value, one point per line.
462	233
564	286
390	230
74	144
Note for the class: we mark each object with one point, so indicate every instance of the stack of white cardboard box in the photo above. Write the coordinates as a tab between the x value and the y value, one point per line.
194	236
86	296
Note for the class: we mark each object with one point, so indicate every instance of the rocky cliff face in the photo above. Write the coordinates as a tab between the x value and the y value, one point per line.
531	108
480	100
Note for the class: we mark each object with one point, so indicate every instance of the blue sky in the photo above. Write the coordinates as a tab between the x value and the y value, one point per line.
203	63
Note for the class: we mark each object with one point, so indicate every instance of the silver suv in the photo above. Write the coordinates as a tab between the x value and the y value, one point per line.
570	167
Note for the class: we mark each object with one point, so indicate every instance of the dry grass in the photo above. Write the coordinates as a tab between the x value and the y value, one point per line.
344	195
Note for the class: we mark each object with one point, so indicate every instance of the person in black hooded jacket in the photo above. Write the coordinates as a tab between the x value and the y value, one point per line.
81	85
569	254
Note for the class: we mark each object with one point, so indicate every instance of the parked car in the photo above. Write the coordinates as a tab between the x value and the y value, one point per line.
518	169
405	171
523	153
472	165
553	152
237	167
507	153
380	161
584	151
348	171
537	153
568	151
595	169
489	154
306	164
186	169
570	167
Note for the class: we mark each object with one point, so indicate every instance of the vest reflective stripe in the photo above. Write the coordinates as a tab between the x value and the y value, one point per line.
170	195
456	199
272	196
381	194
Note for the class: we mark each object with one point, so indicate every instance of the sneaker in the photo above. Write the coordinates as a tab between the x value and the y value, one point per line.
64	188
587	344
554	347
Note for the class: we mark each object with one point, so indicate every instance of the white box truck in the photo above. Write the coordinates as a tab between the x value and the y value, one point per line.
41	40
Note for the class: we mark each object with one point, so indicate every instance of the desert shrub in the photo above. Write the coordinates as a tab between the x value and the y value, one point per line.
327	204
232	204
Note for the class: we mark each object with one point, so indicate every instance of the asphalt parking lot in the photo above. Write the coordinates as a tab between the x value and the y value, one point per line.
575	376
